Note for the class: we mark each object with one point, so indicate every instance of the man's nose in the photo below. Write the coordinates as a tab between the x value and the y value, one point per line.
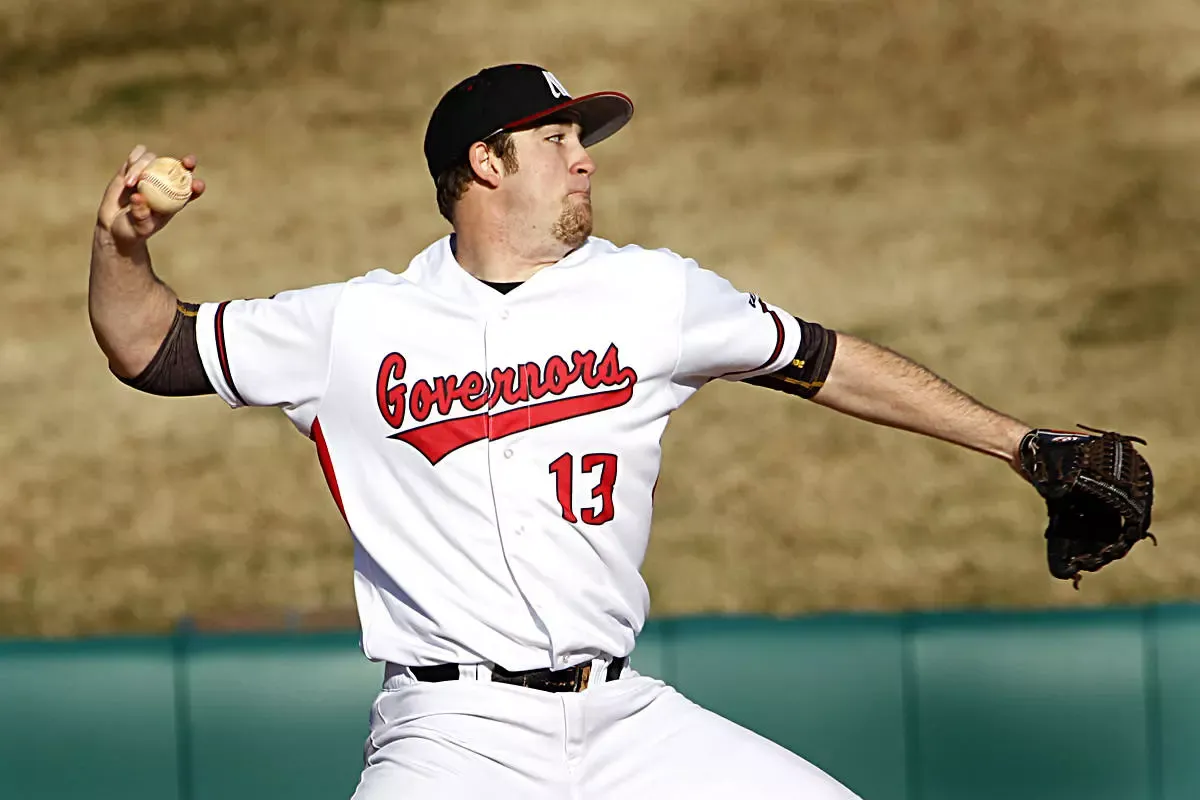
584	164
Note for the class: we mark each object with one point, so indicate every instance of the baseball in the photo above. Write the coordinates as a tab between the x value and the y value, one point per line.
166	184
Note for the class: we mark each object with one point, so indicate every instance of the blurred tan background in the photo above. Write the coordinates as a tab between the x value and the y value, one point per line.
1005	190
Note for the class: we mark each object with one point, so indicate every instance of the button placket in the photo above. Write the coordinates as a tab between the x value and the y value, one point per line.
510	475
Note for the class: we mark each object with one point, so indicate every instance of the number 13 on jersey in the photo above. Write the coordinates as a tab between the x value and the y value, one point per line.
563	470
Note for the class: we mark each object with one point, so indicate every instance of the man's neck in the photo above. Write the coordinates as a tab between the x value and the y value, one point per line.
497	260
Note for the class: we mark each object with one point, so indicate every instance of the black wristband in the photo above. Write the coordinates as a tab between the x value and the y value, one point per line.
805	374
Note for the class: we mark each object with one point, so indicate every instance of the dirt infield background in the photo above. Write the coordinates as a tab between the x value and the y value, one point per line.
1006	190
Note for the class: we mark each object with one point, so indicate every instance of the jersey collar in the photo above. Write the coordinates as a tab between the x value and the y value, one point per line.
437	269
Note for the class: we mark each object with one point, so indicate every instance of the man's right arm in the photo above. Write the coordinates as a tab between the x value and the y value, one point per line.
131	310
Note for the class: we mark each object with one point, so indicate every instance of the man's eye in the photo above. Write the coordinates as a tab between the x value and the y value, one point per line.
556	138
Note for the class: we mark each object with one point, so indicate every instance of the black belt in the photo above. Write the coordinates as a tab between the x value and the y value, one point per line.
574	679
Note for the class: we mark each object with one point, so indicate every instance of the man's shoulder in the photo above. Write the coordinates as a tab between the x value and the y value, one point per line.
379	277
603	250
328	293
420	265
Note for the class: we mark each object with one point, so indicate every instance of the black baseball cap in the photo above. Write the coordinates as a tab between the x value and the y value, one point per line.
508	97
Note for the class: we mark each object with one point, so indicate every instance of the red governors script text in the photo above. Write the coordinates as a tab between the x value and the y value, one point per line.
611	386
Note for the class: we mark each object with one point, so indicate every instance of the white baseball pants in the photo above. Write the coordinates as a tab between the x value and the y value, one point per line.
634	739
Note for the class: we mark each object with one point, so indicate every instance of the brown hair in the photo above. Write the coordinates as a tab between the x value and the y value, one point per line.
452	184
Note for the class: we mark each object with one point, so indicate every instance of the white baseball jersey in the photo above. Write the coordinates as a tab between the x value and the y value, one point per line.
495	455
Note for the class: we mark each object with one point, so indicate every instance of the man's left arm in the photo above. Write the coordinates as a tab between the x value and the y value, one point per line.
729	334
876	384
1098	488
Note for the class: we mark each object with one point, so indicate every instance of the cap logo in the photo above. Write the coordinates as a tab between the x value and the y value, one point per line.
556	88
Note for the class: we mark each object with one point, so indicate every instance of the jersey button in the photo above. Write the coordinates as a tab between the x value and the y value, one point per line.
508	452
504	314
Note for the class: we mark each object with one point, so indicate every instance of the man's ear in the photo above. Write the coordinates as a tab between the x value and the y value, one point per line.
485	164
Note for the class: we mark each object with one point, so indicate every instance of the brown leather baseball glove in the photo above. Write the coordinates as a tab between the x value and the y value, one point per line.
1098	490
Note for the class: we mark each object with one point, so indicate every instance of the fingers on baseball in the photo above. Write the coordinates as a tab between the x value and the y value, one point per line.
189	163
139	210
134	173
134	155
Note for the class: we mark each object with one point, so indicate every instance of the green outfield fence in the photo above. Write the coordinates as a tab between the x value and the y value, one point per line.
1097	704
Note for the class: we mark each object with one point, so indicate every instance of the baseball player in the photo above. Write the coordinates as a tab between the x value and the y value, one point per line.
488	421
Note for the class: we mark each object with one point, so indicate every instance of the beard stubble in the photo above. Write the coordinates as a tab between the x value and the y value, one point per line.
574	223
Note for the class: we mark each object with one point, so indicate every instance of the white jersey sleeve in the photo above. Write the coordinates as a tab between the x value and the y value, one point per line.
728	333
271	352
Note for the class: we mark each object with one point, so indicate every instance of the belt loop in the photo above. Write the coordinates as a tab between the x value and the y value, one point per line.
483	672
395	676
599	672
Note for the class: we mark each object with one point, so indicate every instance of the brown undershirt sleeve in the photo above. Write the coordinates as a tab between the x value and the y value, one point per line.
176	369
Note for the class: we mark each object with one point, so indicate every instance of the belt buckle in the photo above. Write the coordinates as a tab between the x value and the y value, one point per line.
583	675
574	679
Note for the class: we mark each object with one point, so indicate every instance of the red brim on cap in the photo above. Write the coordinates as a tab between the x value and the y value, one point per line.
601	114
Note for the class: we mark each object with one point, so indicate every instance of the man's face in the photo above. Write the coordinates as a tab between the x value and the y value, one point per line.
552	188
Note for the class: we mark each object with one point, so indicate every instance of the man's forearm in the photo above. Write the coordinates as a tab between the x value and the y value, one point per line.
876	384
131	310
